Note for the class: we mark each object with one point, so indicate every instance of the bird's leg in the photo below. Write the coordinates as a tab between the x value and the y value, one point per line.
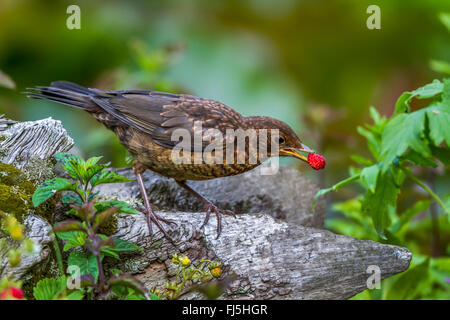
208	207
150	215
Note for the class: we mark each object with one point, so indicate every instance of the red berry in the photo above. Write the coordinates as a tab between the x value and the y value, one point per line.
11	293
316	161
17	293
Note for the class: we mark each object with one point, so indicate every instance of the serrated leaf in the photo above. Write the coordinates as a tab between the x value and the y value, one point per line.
124	207
439	124
73	164
369	176
49	188
427	91
71	199
91	171
49	288
87	265
402	132
73	238
106	176
75	295
69	225
375	204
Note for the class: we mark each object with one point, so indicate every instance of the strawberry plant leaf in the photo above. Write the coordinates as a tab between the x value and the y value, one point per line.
49	288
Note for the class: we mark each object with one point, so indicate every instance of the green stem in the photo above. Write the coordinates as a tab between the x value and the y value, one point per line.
58	255
425	187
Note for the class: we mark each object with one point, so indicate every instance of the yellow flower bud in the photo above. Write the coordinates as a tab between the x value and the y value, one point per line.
185	261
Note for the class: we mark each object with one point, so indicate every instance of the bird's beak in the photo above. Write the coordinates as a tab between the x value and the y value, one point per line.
295	152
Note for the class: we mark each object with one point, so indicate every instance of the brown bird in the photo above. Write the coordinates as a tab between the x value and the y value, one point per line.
146	123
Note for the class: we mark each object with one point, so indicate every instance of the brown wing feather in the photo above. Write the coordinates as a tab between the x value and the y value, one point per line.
160	114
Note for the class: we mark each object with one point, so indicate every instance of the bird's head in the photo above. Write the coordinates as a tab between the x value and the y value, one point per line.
289	144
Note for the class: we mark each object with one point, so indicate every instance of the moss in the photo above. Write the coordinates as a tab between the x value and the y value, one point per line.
16	192
110	227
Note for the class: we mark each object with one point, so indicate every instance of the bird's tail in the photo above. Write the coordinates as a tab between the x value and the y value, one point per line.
67	93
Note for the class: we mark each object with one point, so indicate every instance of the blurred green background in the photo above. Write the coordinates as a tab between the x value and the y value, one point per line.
313	64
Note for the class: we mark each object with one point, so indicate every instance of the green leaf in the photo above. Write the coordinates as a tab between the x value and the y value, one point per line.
440	66
48	188
71	199
124	207
91	171
406	286
49	288
69	225
375	204
73	238
369	176
427	91
334	188
73	164
87	265
75	295
92	161
361	160
106	176
121	245
402	132
407	215
372	142
445	19
128	281
439	123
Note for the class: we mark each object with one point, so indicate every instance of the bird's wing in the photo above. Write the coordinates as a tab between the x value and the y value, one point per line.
160	114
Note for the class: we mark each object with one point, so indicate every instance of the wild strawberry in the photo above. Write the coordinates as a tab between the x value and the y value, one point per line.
316	161
11	293
216	272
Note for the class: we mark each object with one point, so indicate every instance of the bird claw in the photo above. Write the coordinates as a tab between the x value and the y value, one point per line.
211	208
154	218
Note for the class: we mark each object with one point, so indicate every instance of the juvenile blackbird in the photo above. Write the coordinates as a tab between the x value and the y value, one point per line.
145	121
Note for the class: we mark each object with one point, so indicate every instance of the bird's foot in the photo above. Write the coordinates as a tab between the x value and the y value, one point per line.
152	217
209	208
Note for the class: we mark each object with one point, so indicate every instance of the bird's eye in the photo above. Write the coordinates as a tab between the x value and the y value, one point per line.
280	140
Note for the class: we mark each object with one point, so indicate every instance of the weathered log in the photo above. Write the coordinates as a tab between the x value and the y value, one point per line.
33	139
272	259
275	246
